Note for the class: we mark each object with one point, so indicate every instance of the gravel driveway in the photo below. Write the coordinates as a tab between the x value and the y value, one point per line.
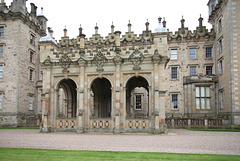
176	141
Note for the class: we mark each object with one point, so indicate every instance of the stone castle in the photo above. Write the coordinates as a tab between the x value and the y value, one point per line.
123	82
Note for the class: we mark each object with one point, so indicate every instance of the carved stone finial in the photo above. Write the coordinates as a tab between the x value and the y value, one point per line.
112	28
96	29
65	31
129	26
200	21
182	23
159	20
147	25
164	22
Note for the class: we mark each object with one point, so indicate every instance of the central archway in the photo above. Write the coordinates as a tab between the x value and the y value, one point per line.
101	98
137	98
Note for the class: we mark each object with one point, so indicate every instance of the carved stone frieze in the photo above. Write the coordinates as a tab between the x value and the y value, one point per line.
136	58
65	61
99	59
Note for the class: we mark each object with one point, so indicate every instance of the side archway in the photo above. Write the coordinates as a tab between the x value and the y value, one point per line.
137	98
67	98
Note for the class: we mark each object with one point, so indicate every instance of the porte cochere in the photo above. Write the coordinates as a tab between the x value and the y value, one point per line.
113	85
128	83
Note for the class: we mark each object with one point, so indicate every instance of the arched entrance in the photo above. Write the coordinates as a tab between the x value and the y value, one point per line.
101	98
67	99
137	98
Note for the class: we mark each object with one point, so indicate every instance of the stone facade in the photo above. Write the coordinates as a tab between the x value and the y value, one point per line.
20	33
124	82
224	16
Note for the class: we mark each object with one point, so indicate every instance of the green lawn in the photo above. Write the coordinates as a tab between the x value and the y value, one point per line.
19	128
227	130
15	154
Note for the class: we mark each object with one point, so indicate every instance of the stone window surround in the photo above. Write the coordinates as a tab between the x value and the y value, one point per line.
30	95
209	46
219	24
178	100
32	38
176	73
135	95
210	88
3	45
33	74
34	54
196	47
220	66
193	65
220	45
3	25
2	64
175	54
174	48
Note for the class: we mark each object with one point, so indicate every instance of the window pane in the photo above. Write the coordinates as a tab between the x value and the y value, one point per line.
174	73
207	91
202	103
174	54
1	31
174	101
197	103
197	92
208	52
192	53
208	103
202	92
138	102
193	71
30	102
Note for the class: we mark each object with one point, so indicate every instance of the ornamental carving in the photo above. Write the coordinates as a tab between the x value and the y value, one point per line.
136	58
47	62
156	57
65	61
117	59
99	59
81	62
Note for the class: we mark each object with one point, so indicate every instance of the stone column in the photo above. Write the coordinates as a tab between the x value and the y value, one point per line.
117	99
80	100
156	97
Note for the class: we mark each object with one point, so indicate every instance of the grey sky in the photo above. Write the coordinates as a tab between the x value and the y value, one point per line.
72	13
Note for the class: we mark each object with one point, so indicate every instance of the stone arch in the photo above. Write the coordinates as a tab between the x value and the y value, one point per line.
101	91
140	75
96	77
66	98
137	97
57	82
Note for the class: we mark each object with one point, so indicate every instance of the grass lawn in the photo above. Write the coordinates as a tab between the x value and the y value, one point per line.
19	127
227	130
15	154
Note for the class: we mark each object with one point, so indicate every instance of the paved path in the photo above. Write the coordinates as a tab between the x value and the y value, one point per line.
176	141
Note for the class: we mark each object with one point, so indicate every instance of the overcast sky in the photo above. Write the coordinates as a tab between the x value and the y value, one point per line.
72	13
